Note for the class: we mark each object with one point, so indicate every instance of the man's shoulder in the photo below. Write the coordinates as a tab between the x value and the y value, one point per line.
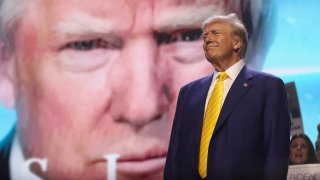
265	77
198	82
266	81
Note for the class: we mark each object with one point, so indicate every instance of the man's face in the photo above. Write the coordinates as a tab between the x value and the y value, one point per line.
299	151
218	42
95	77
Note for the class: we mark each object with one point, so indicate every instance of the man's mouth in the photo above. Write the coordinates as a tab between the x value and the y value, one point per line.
139	164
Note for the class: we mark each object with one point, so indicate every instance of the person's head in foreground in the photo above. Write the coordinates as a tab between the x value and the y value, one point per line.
89	78
301	150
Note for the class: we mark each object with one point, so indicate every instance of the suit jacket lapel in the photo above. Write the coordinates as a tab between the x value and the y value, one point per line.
238	89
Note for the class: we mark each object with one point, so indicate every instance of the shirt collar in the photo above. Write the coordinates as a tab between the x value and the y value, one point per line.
232	71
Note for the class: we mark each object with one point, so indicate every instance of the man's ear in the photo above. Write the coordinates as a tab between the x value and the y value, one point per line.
237	43
7	97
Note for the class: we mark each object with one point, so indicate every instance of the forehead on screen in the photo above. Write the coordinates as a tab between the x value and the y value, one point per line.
77	16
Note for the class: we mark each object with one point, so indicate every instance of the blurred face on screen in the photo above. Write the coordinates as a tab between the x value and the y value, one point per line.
299	151
96	77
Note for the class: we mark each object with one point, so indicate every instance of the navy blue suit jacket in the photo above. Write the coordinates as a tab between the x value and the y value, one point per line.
250	140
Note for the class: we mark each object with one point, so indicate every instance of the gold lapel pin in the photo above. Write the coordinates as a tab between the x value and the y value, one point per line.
245	85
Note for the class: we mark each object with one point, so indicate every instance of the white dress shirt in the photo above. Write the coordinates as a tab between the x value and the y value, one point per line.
232	72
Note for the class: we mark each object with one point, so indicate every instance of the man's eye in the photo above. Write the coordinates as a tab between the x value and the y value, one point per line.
164	38
185	36
88	45
191	35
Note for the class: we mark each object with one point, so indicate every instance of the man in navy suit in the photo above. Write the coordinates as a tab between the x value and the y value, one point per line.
251	137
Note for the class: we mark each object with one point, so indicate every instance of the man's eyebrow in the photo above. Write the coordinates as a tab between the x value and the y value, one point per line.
81	24
181	17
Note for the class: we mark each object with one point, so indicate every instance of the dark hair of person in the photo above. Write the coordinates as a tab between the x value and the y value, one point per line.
318	140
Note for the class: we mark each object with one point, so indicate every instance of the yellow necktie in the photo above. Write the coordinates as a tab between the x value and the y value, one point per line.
210	121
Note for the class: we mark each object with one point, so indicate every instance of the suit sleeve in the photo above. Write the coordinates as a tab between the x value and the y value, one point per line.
170	170
276	132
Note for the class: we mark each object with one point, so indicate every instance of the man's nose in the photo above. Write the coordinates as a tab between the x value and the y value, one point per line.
208	40
140	101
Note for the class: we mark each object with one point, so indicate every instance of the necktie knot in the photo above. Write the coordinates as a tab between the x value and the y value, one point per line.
223	76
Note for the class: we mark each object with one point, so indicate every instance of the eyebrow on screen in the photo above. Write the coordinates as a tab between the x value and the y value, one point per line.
185	17
81	24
